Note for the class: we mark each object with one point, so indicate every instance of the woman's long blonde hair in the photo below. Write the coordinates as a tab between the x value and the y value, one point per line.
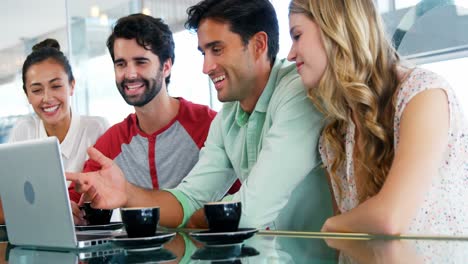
359	81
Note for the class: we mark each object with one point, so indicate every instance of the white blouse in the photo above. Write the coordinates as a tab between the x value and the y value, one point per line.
83	133
445	207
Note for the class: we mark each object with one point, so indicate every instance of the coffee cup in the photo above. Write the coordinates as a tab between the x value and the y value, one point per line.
140	221
223	216
96	216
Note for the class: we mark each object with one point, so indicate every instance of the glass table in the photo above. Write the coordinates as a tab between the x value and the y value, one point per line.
263	247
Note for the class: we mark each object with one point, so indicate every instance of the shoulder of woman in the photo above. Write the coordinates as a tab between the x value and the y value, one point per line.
422	78
94	121
25	127
27	121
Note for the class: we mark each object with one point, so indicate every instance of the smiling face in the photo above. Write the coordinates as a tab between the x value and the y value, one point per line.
227	61
138	74
307	49
48	90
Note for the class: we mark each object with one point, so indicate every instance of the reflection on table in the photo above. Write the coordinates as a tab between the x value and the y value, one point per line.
264	247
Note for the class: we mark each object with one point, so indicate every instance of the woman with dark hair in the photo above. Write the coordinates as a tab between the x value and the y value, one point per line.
48	83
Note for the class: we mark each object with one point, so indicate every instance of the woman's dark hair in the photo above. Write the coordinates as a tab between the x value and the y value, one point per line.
44	50
149	32
245	17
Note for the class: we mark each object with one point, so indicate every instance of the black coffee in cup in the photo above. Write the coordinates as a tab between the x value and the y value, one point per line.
223	216
140	221
96	216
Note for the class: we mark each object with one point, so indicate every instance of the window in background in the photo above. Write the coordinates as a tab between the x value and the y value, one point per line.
282	12
433	35
22	28
454	71
14	104
103	98
187	79
90	25
400	4
13	99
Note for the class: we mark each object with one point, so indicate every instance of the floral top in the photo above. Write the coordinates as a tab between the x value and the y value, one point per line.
445	207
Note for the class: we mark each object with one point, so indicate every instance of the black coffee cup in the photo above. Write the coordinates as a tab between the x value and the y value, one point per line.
223	216
140	221
96	216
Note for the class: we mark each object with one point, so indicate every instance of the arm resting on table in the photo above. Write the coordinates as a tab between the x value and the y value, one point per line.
423	141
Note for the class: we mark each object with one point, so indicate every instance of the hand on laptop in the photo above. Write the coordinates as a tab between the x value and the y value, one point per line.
105	188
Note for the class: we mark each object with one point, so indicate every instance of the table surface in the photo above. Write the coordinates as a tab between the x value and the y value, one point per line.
263	247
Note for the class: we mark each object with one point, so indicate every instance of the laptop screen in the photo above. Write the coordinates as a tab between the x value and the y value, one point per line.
34	194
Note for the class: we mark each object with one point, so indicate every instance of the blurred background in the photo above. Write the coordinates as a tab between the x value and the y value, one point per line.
428	33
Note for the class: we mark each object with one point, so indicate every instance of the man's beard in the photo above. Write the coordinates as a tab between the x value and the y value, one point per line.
153	87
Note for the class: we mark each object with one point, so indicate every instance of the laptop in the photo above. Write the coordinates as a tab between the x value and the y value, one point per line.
35	197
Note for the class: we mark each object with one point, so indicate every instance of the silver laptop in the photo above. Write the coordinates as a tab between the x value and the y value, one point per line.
35	197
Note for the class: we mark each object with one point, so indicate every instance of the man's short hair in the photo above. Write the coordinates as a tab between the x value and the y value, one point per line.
245	17
149	32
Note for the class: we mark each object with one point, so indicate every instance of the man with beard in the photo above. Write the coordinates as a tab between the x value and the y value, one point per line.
159	144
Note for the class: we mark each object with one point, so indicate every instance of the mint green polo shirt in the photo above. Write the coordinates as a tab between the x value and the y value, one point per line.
274	153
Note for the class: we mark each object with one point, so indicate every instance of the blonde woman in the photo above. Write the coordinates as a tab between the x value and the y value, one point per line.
395	142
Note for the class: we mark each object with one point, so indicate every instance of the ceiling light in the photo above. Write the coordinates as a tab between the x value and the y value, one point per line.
94	11
104	20
146	11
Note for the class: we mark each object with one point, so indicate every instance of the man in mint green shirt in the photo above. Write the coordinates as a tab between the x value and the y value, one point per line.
266	133
273	151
